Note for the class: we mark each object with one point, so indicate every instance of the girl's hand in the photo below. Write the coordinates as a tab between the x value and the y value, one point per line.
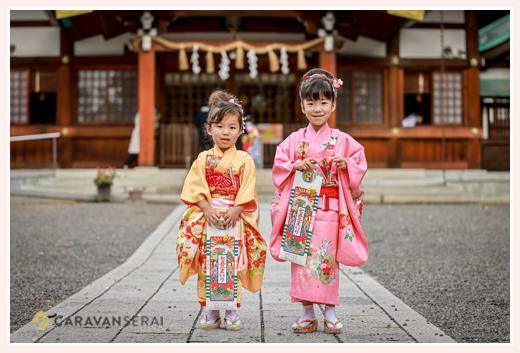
306	164
211	215
232	215
340	162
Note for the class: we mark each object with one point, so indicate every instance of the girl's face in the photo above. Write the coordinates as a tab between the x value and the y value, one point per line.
225	133
318	111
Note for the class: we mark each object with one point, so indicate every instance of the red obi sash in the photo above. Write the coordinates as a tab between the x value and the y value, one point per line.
326	193
220	183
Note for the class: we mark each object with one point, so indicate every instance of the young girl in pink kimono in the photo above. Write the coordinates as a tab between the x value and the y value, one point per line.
337	236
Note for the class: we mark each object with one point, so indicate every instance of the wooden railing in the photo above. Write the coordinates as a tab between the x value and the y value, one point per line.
179	145
496	117
52	135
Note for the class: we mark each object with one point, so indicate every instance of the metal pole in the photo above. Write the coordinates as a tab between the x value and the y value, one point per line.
442	90
54	162
188	149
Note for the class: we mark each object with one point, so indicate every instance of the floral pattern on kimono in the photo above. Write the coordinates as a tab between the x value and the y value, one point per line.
210	177
321	264
318	280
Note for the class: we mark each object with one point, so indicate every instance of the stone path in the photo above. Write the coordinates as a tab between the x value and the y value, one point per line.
146	287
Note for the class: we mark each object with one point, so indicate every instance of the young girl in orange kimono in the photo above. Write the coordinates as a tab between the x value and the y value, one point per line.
337	236
221	183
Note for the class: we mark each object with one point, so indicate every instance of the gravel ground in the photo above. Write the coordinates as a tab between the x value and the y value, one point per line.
56	250
449	263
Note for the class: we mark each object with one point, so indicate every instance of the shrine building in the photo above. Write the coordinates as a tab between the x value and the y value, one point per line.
85	74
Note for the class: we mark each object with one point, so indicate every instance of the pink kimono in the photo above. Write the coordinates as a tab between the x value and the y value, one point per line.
337	236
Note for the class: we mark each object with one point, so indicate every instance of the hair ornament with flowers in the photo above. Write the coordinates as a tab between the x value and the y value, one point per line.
336	82
241	113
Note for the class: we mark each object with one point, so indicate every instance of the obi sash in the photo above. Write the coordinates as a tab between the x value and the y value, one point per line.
222	184
328	199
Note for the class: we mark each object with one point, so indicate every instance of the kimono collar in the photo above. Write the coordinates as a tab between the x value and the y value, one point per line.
227	157
218	152
311	134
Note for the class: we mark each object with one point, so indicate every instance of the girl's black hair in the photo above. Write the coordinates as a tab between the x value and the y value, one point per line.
317	87
220	105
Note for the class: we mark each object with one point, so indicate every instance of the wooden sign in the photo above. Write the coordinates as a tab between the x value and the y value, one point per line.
412	14
300	216
221	267
70	13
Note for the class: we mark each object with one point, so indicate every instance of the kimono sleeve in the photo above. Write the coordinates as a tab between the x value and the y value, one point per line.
195	186
247	193
356	162
283	163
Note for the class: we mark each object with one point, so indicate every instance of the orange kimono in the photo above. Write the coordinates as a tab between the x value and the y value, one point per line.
210	178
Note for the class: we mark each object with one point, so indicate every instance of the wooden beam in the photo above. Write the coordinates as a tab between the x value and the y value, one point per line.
429	64
52	18
33	62
473	98
328	62
471	34
66	44
394	153
30	24
498	64
407	64
420	132
117	132
498	51
63	96
392	46
434	165
146	106
437	25
162	25
474	154
395	96
105	28
244	13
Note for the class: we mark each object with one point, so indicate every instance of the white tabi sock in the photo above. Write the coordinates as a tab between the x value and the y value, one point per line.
308	314
232	314
210	314
330	314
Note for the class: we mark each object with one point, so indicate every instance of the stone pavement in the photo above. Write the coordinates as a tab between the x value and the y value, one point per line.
146	287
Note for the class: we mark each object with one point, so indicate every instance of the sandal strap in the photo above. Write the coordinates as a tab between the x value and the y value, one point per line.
216	318
301	322
233	322
332	323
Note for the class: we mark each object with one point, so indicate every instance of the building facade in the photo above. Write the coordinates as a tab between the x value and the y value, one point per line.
87	75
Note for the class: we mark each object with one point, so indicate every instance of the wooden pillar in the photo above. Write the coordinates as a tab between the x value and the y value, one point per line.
473	92
396	112
328	62
472	96
146	106
64	101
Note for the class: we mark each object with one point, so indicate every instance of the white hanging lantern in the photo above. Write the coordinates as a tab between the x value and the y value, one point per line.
224	66
253	63
284	60
195	60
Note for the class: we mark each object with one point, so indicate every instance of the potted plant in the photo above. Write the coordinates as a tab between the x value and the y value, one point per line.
103	180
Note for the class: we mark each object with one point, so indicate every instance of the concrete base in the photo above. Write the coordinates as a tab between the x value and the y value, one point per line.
381	186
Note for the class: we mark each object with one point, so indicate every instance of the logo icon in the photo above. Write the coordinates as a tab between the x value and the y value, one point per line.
42	323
